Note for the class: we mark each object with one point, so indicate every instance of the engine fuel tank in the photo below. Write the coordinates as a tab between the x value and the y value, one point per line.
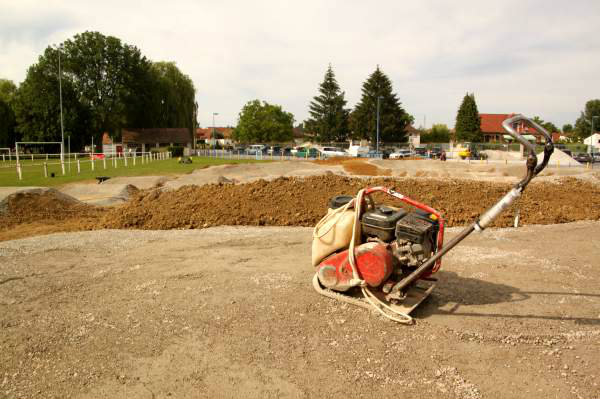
373	261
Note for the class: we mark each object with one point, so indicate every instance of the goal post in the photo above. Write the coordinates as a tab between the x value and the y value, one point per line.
22	143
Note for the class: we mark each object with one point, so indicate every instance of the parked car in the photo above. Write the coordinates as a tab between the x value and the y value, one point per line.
333	152
421	151
286	151
596	156
435	153
583	157
255	149
274	150
305	152
401	153
294	150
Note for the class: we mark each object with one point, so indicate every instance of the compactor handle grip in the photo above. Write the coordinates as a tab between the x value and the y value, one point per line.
508	126
532	166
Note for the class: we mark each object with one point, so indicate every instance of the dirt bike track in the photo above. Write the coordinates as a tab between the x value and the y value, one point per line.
204	310
230	312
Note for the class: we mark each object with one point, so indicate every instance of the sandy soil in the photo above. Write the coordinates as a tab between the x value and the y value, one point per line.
476	170
244	173
230	312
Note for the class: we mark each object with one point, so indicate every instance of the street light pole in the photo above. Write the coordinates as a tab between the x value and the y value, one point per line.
62	129
378	101
592	134
213	133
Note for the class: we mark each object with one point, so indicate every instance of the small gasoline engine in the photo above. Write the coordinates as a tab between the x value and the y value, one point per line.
384	257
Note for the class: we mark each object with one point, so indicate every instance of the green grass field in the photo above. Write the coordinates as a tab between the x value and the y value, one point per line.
33	172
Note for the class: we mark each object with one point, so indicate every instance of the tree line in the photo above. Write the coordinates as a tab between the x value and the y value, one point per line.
330	119
106	85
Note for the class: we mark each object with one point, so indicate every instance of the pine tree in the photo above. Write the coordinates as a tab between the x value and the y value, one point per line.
393	119
328	117
468	122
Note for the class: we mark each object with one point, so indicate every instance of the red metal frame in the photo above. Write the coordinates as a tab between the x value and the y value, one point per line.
416	204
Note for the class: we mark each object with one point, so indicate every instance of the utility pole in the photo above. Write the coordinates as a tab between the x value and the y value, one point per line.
378	105
62	129
213	133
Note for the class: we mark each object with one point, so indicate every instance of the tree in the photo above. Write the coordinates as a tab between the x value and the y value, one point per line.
7	90
567	128
106	85
549	126
7	115
328	117
437	134
393	119
37	105
165	97
103	71
263	122
583	125
468	122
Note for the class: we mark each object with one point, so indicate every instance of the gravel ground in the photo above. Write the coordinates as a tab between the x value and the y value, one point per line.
230	312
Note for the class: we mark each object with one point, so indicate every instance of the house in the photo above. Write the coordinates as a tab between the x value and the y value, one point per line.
493	132
594	140
413	135
146	138
222	136
109	147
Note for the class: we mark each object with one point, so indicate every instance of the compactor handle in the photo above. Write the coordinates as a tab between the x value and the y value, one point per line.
488	217
532	167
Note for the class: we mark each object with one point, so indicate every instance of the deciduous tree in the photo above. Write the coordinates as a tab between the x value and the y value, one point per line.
7	115
583	125
437	134
263	123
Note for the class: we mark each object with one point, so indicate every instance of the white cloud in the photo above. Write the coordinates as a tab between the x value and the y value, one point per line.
532	57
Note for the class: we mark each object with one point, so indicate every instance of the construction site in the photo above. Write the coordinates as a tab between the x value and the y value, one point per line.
200	285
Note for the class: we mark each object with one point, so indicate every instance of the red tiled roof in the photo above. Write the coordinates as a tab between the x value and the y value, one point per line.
492	123
207	132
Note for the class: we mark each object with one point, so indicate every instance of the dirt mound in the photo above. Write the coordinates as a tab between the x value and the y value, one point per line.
559	158
44	210
334	160
302	202
357	167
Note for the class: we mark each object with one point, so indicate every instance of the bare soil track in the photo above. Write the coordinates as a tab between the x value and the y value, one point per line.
230	312
290	201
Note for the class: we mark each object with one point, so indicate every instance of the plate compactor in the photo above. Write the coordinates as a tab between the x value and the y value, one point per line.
383	257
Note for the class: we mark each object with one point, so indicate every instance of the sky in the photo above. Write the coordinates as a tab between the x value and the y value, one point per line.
538	58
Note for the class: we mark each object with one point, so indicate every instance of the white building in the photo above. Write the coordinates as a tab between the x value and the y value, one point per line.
594	140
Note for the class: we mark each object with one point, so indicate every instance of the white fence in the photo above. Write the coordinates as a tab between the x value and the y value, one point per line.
48	164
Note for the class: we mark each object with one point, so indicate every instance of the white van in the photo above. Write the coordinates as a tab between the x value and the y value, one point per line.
333	152
255	149
358	151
